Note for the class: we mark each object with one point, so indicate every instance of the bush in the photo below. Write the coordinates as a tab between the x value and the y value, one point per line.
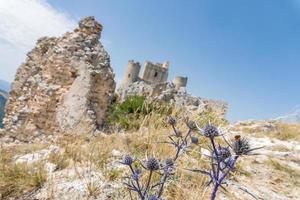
137	110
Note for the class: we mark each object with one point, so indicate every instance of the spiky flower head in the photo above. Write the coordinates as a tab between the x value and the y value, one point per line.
152	164
194	140
169	162
191	125
230	161
240	145
127	160
172	121
223	152
211	131
137	174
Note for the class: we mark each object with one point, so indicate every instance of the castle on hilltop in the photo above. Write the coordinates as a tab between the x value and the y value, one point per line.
154	74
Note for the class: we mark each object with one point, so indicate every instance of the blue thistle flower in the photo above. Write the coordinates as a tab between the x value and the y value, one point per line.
152	164
223	152
137	174
240	145
194	140
127	160
172	121
211	131
191	125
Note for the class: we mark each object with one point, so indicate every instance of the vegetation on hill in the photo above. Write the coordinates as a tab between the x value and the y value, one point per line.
137	111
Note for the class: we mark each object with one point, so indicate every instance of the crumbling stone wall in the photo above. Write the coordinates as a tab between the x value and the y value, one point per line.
65	85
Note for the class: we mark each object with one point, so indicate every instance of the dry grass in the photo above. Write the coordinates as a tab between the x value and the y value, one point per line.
97	151
287	132
293	175
17	179
142	143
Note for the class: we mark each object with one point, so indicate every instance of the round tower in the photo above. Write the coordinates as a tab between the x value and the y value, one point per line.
132	72
180	81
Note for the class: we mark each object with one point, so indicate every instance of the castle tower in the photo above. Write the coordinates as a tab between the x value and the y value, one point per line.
132	72
180	81
155	73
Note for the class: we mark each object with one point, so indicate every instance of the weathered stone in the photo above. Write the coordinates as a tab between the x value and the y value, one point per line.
65	85
170	93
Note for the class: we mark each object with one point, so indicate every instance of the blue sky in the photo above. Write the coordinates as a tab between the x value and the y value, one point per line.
246	52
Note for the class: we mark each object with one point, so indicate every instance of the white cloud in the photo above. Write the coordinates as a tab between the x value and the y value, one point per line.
22	22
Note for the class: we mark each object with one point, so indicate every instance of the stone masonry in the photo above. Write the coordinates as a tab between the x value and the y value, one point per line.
66	84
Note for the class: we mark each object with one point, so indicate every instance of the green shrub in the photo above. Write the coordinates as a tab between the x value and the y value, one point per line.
137	110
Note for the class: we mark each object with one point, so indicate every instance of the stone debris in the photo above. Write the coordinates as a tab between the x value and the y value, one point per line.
254	126
38	156
77	183
65	85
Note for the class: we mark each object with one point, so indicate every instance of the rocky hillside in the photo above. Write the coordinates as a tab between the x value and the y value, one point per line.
179	97
82	167
66	84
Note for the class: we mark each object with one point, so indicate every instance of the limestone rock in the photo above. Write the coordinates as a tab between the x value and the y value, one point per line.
37	156
65	85
179	97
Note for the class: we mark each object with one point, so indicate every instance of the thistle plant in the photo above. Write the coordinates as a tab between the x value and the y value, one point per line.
222	161
148	190
223	158
151	190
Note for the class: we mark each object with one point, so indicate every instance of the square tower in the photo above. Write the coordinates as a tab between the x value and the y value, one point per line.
155	73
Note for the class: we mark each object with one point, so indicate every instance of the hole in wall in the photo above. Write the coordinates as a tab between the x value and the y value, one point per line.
155	75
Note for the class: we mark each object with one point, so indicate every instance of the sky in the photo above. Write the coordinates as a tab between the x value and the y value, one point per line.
245	52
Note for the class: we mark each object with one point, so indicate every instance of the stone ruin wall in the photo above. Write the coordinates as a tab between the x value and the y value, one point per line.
65	85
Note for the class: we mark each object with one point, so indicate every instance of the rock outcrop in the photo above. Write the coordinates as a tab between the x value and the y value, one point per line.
179	97
65	85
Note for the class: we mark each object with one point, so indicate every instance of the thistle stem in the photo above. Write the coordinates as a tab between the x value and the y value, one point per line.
138	184
219	181
148	183
162	185
216	174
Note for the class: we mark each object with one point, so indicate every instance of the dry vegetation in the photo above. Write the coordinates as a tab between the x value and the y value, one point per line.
95	152
17	179
287	132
